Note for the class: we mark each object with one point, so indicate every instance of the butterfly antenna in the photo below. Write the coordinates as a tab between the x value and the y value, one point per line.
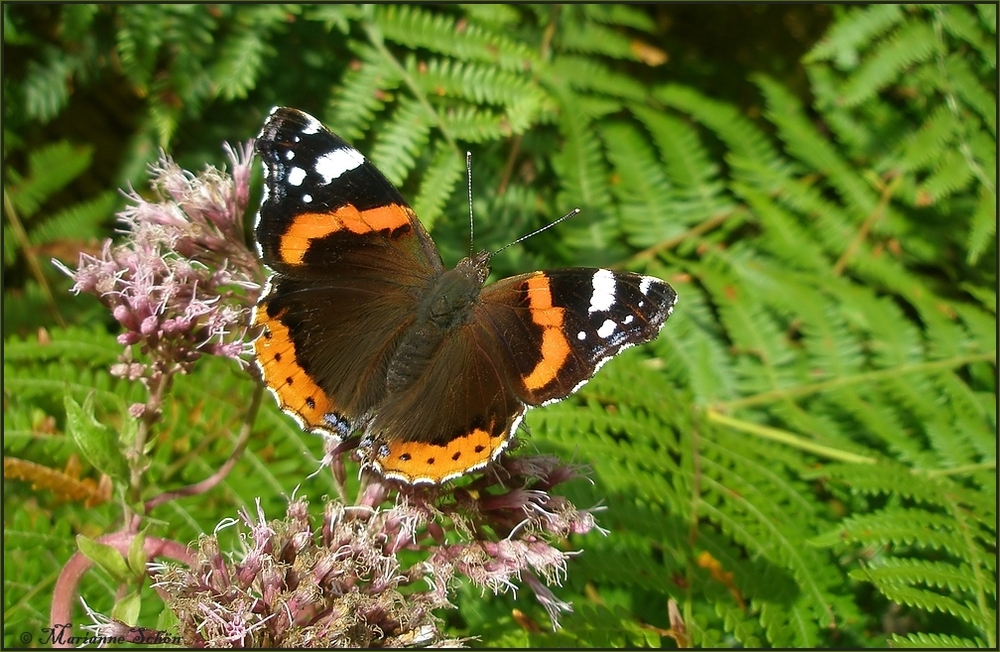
572	213
472	225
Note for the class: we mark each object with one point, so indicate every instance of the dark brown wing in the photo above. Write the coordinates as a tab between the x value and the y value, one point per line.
457	418
350	263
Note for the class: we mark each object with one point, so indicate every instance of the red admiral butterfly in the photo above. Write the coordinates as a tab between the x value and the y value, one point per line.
364	330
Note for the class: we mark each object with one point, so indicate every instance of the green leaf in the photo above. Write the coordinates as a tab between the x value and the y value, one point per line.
127	609
97	442
107	557
137	557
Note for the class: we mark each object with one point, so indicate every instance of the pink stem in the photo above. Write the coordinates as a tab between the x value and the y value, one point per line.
66	586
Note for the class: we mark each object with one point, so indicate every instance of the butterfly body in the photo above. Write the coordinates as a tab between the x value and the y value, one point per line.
365	330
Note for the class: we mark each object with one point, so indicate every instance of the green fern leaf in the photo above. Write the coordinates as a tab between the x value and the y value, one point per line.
46	86
911	572
984	226
476	125
988	17
438	183
922	640
924	146
951	175
417	27
807	144
960	22
482	85
333	16
50	169
970	89
365	88
240	61
77	222
580	162
588	74
625	15
930	601
698	195
913	43
492	14
640	186
400	142
853	32
745	141
594	38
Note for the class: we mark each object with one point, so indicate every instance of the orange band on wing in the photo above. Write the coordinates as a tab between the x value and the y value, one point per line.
415	461
295	390
295	242
555	346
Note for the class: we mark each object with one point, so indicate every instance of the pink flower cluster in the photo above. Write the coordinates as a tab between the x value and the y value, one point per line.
344	584
182	283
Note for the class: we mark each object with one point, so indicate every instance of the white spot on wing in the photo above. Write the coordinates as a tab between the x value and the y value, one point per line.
582	335
311	126
628	319
296	176
333	164
604	291
645	284
607	329
306	198
289	154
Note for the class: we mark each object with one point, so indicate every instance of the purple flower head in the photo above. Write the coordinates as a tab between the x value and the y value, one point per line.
182	280
335	586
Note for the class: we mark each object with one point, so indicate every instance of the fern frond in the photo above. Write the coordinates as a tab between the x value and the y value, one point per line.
922	640
398	144
930	601
640	186
49	169
476	125
698	195
784	237
854	31
950	175
924	146
580	163
743	139
913	43
77	222
333	16
988	17
912	572
984	226
438	183
616	14
366	86
491	14
473	81
593	38
240	60
46	86
417	27
970	90
805	142
588	74
961	23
